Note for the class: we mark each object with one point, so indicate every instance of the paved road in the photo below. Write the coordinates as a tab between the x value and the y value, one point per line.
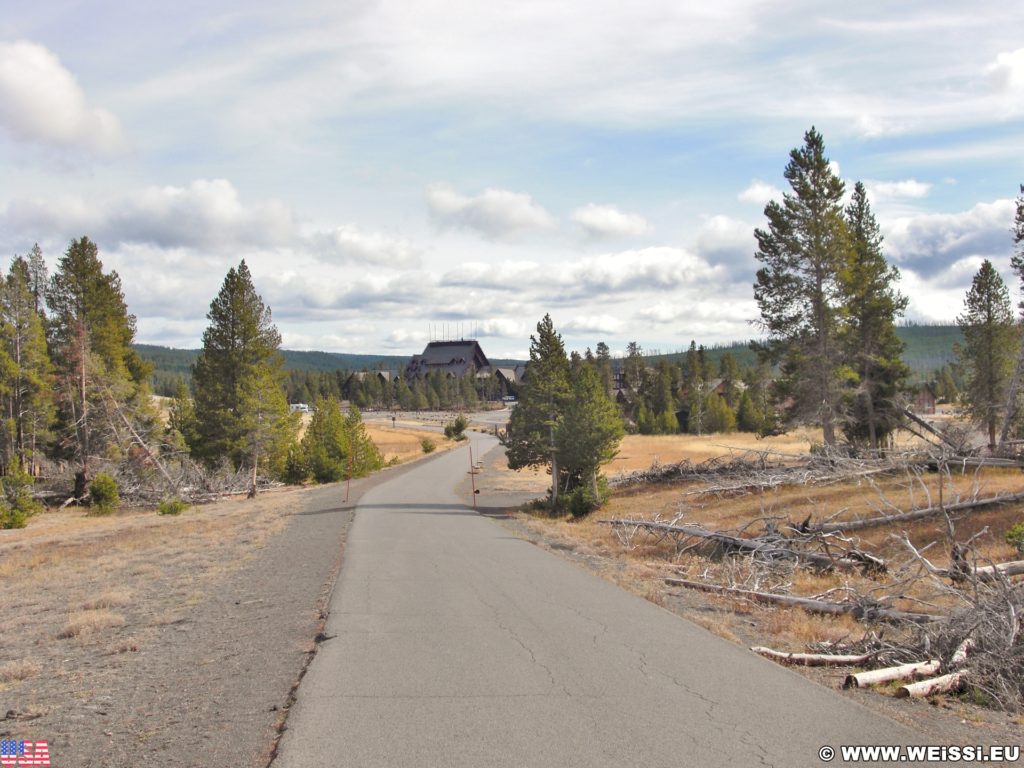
458	644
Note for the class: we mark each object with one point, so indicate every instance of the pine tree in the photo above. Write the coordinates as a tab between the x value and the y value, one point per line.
603	365
366	457
720	417
634	370
1012	406
267	427
871	306
799	290
945	385
325	445
240	344
529	439
26	374
181	417
37	277
91	332
990	340
588	432
729	372
749	417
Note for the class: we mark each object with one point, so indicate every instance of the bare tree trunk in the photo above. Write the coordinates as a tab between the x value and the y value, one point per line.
1010	410
901	672
810	604
943	684
813	659
255	466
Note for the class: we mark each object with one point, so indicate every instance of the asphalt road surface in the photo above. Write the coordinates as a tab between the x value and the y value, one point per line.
455	643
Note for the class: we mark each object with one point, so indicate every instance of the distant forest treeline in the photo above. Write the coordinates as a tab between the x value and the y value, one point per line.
928	348
170	366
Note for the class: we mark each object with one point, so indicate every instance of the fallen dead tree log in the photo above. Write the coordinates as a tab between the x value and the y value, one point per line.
963	570
917	514
868	612
888	674
924	688
925	425
988	572
767	548
814	659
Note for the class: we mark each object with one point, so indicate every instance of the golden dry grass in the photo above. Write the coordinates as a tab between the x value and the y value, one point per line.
110	598
404	443
86	622
638	452
19	669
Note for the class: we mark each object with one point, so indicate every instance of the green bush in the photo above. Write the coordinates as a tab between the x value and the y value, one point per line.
583	501
16	502
1015	537
455	429
103	490
172	506
428	445
296	468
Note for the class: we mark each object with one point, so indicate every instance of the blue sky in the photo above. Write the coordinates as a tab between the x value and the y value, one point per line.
389	167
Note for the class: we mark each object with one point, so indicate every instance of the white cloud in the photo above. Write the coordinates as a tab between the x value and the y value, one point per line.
42	103
501	327
591	324
888	190
721	312
760	193
931	243
495	213
872	126
1007	71
349	243
606	221
206	213
634	271
727	241
402	337
207	216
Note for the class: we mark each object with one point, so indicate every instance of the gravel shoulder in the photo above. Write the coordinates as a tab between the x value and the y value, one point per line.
146	640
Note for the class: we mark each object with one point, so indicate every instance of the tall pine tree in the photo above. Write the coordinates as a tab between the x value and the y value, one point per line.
799	289
91	333
990	339
530	437
239	363
588	433
1012	407
27	381
871	306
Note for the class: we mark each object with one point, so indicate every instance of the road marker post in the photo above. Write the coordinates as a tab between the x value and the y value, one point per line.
472	474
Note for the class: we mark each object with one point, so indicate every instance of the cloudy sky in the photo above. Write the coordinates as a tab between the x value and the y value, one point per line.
391	170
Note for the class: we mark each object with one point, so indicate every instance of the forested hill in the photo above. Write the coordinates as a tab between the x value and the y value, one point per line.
171	363
928	348
180	361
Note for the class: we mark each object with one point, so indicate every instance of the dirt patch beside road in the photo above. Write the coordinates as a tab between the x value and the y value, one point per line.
141	640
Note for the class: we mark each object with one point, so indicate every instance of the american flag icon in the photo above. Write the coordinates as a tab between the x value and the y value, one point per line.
21	754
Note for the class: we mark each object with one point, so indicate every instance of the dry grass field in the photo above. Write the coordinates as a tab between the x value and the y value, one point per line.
404	443
79	588
638	452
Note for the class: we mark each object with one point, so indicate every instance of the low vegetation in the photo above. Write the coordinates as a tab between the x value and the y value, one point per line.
104	494
456	428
